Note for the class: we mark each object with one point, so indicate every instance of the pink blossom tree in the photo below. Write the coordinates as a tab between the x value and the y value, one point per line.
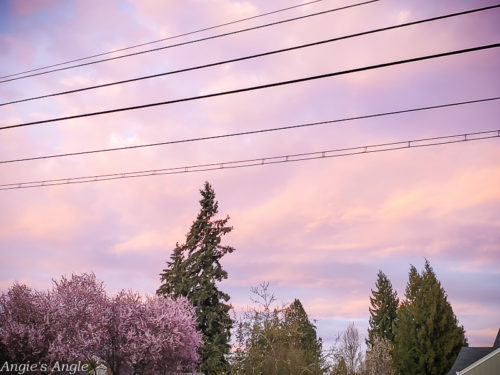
76	320
25	333
78	314
172	327
152	336
124	311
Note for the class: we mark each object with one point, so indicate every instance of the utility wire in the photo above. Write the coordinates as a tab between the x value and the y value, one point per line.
254	56
251	131
425	142
191	41
164	39
268	85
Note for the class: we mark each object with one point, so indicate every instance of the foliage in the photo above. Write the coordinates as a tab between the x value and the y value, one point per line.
193	271
378	358
383	311
427	335
76	320
276	340
347	352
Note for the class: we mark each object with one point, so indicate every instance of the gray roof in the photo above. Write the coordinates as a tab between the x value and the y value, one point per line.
496	344
468	356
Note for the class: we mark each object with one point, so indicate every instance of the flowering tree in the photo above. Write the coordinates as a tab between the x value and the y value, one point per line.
24	331
77	317
123	313
76	320
169	340
151	336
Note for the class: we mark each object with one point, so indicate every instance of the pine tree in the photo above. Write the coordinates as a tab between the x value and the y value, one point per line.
383	311
427	337
193	271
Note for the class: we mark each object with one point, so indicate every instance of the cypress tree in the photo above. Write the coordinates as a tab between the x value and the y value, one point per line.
427	337
383	311
193	272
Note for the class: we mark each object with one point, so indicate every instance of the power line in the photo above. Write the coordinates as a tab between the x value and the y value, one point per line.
424	142
254	56
245	89
251	131
164	39
192	41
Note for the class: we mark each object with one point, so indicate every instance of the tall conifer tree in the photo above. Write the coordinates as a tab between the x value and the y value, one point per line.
383	311
193	272
427	337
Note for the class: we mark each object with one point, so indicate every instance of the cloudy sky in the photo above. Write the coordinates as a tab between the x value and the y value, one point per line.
316	230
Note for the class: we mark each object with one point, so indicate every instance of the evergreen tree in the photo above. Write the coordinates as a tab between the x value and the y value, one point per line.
383	311
301	336
414	284
193	271
427	337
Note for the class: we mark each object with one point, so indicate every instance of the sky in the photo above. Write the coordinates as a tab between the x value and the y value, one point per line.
316	230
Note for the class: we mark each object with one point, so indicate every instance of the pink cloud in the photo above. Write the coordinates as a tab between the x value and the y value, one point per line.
483	337
347	309
319	230
24	8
